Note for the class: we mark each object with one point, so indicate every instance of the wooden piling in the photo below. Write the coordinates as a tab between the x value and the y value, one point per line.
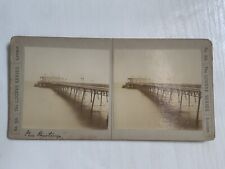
75	94
83	97
189	99
181	100
198	108
101	99
93	101
106	95
91	96
178	95
171	92
163	91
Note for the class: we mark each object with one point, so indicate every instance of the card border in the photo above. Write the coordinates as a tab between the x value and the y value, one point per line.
15	130
16	52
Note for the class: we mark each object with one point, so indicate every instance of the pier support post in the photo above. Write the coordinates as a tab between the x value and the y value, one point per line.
75	94
195	97
93	101
163	91
101	99
106	95
189	99
83	97
198	108
178	95
91	96
181	97
171	92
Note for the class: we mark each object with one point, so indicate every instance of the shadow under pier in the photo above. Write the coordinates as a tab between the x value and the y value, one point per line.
175	101
89	101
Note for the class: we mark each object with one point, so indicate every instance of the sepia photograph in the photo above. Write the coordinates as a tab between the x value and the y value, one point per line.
118	89
157	88
66	87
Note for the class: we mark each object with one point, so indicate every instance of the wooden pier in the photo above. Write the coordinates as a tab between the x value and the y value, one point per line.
72	90
162	92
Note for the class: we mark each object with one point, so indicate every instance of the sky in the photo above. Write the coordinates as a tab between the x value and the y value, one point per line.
69	63
160	66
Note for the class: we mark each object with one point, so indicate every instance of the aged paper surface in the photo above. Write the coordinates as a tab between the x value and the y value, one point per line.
162	90
126	89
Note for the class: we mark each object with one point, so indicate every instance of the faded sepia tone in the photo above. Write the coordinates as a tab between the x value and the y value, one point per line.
60	88
66	88
157	88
